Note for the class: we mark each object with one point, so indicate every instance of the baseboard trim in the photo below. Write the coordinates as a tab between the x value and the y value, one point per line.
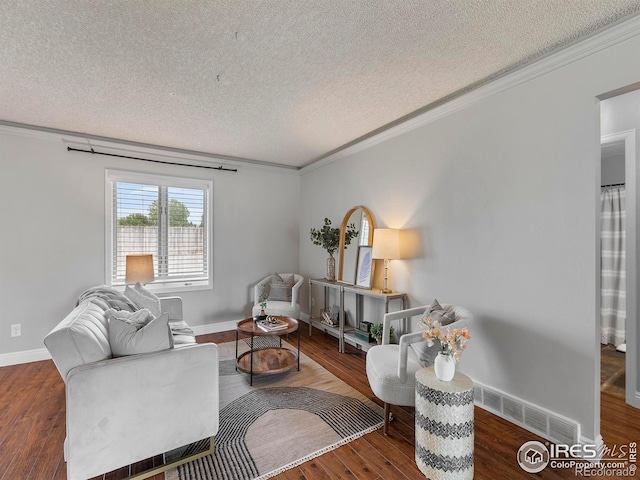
25	356
215	327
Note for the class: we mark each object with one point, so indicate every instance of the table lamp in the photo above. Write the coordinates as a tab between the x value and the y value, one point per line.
139	269
386	246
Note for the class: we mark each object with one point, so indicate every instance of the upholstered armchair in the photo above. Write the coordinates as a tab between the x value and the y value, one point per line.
282	290
391	369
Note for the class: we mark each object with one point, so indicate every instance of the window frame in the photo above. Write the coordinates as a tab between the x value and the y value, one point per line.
158	286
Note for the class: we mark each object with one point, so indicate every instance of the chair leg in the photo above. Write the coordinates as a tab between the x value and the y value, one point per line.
387	412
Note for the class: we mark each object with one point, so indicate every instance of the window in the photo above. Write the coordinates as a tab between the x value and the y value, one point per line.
168	217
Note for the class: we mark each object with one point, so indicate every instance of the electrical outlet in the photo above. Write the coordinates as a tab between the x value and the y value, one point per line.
313	302
16	330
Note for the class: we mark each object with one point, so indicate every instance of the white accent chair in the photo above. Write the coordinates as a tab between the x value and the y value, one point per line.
391	369
279	307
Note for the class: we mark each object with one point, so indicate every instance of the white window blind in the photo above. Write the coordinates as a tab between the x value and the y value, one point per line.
166	217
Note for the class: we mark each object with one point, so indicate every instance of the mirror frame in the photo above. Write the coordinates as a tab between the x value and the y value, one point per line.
343	228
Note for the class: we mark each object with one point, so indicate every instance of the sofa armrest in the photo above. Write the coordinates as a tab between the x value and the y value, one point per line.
173	305
123	410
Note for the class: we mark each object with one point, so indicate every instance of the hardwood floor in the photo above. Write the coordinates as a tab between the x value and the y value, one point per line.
32	428
612	370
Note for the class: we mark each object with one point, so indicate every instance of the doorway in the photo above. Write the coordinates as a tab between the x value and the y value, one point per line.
617	322
612	266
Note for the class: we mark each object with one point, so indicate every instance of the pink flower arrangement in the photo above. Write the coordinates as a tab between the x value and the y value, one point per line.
452	342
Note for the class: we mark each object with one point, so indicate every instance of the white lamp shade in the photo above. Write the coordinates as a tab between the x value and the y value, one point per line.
139	269
386	243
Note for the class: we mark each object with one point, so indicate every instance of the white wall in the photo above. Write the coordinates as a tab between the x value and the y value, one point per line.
503	194
53	243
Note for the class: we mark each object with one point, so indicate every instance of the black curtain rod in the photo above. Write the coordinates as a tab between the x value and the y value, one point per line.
613	185
92	151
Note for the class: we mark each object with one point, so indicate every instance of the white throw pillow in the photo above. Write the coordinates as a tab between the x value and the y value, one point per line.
139	318
439	314
126	339
280	289
143	298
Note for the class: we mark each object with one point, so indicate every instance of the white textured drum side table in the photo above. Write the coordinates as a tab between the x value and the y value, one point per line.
444	426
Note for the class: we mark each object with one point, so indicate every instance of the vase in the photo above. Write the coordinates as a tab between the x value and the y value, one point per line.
331	268
445	366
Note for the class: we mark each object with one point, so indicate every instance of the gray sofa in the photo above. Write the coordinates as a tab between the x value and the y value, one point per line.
126	409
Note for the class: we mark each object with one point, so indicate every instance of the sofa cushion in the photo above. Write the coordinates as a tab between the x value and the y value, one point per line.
82	337
382	372
143	298
127	339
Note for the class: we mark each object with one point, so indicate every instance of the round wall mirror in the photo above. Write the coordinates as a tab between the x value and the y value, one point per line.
360	219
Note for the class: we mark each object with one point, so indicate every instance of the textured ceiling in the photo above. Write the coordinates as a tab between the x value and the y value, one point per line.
275	81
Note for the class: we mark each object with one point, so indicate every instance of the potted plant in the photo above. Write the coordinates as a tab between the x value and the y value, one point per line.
376	332
264	294
328	238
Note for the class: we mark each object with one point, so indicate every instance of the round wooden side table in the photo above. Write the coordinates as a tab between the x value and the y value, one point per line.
267	360
444	426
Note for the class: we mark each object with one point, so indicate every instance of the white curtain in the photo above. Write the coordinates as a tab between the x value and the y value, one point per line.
612	266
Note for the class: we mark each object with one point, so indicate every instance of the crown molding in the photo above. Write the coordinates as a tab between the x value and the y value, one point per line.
123	147
613	35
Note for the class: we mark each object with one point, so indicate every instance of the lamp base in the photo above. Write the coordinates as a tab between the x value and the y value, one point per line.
386	290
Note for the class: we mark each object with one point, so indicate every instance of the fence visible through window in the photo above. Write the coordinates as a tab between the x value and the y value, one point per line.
185	245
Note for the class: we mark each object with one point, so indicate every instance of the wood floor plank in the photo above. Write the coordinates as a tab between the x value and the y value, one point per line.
312	470
50	449
356	464
292	474
380	461
337	470
61	468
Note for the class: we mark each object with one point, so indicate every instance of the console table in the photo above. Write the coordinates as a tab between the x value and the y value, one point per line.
444	426
344	331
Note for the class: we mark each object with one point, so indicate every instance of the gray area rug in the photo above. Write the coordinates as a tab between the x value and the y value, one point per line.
282	421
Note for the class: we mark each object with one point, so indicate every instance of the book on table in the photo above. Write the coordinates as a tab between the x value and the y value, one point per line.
270	324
